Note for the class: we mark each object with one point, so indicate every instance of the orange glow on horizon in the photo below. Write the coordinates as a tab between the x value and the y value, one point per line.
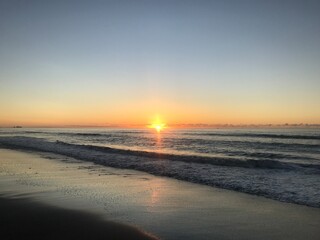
140	114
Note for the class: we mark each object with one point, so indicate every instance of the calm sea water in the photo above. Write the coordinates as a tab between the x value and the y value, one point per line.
282	164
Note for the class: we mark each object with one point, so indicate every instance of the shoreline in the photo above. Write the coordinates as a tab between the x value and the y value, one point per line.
267	178
168	208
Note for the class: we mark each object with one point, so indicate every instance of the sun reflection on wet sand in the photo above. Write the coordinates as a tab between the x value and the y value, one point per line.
156	193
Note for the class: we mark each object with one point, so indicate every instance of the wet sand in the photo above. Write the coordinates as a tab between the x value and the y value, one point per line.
25	219
165	207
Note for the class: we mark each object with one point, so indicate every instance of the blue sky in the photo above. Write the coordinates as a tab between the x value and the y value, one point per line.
190	61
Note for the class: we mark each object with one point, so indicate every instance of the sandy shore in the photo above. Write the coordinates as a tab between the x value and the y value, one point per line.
25	219
167	208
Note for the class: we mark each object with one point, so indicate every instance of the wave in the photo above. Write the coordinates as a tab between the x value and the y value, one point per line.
125	137
30	142
98	134
250	147
289	182
259	135
83	134
20	132
251	135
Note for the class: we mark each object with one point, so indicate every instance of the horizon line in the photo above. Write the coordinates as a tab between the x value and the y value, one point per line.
183	125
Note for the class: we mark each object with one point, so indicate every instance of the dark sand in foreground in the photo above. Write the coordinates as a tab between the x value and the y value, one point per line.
26	219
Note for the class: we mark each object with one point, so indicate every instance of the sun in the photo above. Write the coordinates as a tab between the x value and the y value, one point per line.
157	125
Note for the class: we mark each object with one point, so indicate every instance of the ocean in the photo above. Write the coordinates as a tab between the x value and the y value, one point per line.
281	164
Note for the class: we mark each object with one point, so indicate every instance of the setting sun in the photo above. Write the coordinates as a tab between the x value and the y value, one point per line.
158	125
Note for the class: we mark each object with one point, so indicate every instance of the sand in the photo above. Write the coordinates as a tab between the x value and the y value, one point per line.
167	208
24	219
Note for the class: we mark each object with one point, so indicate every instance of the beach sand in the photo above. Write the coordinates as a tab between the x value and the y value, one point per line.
167	208
25	219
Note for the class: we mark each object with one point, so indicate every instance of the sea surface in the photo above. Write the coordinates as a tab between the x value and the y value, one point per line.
282	164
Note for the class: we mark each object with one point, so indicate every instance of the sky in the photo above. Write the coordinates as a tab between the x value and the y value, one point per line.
102	63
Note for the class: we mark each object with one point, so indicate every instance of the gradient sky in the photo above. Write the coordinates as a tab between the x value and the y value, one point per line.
125	62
